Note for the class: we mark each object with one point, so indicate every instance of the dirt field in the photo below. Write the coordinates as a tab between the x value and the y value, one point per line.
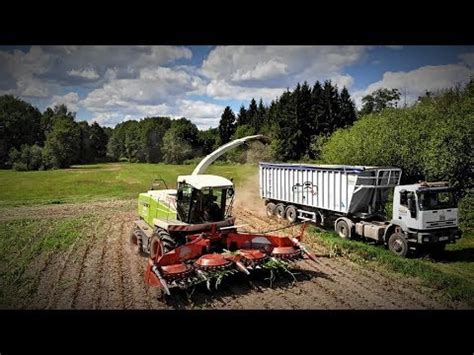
100	272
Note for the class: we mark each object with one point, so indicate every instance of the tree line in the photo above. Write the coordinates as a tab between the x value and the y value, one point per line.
31	140
293	121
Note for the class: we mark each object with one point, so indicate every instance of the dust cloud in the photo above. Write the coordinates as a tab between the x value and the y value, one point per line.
248	196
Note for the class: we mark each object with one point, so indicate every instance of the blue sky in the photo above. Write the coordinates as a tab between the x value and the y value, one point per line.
117	83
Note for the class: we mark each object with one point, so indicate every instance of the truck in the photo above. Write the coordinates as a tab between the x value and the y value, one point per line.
354	200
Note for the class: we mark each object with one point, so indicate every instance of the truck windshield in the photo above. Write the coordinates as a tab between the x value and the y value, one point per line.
436	200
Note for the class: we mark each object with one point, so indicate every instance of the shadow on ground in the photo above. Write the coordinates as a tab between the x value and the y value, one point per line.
452	256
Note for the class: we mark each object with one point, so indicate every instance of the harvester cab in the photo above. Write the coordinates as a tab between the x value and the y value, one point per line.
204	198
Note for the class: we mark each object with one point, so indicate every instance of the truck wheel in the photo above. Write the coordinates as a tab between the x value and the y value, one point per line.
280	211
398	244
270	209
342	228
136	242
161	242
291	214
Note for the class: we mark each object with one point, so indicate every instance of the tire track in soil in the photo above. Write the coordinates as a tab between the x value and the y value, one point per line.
41	302
112	296
64	295
357	295
101	272
385	283
135	294
88	286
79	271
374	291
53	280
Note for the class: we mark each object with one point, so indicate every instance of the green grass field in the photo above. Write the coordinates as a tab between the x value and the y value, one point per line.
98	182
26	241
454	273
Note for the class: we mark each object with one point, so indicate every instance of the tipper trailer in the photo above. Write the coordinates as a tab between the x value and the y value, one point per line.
424	214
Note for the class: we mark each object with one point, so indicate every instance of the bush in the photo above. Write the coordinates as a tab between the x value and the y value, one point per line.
431	140
28	158
466	211
19	166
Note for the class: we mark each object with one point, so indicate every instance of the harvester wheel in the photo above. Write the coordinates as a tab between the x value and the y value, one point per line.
161	242
270	209
136	241
291	214
156	247
280	211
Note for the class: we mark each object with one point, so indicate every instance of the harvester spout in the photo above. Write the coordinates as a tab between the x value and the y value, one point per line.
208	160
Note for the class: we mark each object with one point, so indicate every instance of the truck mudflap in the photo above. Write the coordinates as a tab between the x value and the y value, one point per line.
438	236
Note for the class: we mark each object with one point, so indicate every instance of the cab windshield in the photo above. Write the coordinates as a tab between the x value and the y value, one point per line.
201	205
436	200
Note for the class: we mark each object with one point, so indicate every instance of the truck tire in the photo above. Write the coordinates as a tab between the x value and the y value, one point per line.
136	242
291	214
161	242
398	244
280	211
270	209
342	228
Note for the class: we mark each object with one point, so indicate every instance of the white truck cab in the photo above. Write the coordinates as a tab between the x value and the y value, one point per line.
426	212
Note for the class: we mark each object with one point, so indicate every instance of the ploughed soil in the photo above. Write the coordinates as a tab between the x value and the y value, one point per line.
99	271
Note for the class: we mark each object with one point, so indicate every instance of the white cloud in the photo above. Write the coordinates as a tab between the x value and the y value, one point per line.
343	80
279	66
203	114
71	100
90	73
396	48
265	70
42	70
21	71
153	86
415	82
468	58
222	90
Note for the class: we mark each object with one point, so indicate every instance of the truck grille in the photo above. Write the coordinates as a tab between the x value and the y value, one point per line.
437	224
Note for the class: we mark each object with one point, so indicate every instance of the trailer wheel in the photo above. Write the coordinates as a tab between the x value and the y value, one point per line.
398	244
270	209
280	211
291	214
342	228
